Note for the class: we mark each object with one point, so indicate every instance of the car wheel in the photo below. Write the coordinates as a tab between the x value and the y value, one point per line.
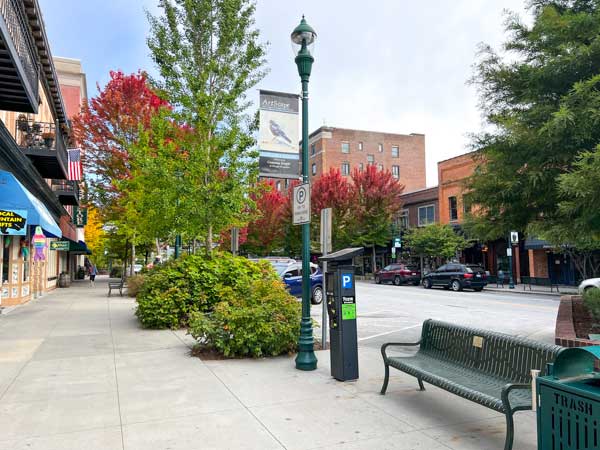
377	279
456	286
397	280
427	283
317	295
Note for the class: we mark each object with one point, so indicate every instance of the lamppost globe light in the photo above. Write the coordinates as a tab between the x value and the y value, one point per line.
303	35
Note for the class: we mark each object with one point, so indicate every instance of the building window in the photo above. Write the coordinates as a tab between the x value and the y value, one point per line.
395	152
345	168
286	183
380	167
380	148
345	147
370	159
426	215
279	185
361	167
312	149
360	146
396	172
314	169
453	208
403	219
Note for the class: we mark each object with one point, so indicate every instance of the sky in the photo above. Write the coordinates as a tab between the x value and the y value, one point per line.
397	66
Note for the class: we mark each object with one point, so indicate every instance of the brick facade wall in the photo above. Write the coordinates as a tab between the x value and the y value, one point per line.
538	263
452	174
411	201
411	153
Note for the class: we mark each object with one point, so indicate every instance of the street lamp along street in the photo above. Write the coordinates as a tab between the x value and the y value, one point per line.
303	38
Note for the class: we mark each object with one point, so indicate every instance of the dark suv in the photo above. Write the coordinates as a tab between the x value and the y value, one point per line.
398	274
456	276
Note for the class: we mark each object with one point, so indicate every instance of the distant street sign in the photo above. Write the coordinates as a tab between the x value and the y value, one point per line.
509	251
326	246
514	237
397	242
302	204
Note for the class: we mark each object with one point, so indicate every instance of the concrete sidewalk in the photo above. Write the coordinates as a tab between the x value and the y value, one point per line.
77	372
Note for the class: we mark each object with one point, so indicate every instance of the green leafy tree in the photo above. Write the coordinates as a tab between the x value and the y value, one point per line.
438	241
542	103
208	56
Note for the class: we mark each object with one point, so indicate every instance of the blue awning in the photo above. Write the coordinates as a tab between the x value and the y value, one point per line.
14	196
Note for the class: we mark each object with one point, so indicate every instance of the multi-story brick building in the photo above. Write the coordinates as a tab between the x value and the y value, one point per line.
419	208
346	150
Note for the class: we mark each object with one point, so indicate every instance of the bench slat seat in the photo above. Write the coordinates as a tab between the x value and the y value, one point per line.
467	383
488	368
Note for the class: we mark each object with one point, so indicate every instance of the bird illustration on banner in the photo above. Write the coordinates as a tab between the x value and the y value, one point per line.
39	244
279	134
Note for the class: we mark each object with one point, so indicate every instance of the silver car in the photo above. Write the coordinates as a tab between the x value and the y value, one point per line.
590	283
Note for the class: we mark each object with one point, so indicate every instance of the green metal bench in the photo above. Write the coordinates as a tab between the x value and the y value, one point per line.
489	368
120	285
538	281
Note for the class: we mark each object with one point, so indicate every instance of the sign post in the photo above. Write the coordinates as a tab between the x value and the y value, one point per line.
326	247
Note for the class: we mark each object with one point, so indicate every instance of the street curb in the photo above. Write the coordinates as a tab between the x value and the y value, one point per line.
522	292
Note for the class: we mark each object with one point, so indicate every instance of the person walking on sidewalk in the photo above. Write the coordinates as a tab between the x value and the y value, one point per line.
93	272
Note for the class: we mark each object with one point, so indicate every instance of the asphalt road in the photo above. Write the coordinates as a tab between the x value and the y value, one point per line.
387	313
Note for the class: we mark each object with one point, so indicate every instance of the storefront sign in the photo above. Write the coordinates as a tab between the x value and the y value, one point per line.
39	244
13	222
62	246
80	216
278	135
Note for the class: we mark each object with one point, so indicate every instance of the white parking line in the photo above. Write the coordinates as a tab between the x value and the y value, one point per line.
389	332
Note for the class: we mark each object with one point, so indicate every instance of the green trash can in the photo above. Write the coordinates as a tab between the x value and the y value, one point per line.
568	402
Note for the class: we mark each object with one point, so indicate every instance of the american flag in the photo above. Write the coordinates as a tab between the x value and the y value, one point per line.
74	164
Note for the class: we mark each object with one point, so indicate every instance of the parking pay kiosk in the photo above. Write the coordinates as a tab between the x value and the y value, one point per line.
341	308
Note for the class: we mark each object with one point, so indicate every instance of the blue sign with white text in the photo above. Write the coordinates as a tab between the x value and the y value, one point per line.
347	280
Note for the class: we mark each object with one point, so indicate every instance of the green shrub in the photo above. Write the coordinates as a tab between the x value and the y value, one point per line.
591	300
256	320
197	283
134	284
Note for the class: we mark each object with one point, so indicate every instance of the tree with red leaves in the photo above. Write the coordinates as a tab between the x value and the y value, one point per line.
331	190
108	126
266	231
375	196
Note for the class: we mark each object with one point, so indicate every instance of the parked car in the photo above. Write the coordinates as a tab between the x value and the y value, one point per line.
398	274
588	284
290	271
456	276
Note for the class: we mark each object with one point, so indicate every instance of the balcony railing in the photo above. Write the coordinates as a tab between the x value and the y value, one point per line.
15	19
43	140
67	191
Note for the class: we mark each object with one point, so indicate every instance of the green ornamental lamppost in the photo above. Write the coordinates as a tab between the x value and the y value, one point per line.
303	38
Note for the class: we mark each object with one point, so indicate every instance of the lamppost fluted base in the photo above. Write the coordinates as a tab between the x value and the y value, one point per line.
306	358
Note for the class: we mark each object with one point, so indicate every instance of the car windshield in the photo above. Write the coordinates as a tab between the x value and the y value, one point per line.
279	267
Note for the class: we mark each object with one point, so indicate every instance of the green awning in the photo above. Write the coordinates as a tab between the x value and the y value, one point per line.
67	245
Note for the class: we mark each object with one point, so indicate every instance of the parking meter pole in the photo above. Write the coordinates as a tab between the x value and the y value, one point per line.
511	281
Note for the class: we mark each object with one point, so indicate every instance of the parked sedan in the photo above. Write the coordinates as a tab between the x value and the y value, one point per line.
398	274
456	277
590	283
291	273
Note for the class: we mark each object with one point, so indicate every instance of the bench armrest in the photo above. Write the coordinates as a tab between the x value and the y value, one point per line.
511	387
399	344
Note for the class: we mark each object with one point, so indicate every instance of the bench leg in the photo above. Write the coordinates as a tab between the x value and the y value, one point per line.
421	387
510	431
385	380
108	292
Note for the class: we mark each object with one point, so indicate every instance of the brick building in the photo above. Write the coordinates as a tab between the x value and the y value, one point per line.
346	150
419	208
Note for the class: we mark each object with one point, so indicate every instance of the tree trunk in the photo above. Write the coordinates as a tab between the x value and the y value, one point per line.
132	268
421	258
157	248
209	240
125	259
